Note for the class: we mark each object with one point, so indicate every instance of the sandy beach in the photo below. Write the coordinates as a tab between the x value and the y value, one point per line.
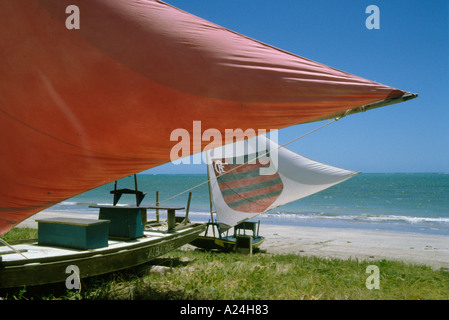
431	250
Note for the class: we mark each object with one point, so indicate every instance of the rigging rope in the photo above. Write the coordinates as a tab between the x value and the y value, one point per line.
12	248
236	167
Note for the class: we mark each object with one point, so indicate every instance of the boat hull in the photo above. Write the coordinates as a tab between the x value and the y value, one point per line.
226	244
51	267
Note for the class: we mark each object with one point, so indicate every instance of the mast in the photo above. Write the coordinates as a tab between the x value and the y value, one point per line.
210	193
378	104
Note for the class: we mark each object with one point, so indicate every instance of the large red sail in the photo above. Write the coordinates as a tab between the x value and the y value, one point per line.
82	107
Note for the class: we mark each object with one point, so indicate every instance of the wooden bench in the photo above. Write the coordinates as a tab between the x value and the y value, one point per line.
73	233
171	215
244	242
247	225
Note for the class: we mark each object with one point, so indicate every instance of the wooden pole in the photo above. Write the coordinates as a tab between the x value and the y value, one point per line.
157	204
210	194
186	219
135	188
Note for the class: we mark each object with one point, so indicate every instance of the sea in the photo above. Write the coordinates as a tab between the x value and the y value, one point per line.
396	202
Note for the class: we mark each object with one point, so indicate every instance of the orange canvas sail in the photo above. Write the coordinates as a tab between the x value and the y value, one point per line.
80	107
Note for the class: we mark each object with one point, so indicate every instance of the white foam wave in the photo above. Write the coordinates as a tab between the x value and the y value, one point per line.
356	217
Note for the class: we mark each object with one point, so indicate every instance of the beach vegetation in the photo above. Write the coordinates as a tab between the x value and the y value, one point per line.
16	234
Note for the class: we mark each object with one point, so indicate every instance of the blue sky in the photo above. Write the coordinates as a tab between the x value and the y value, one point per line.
410	52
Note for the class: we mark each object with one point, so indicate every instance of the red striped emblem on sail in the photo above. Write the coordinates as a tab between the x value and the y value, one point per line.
243	186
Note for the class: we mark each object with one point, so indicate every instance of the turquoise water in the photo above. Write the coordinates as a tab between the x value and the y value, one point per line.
405	202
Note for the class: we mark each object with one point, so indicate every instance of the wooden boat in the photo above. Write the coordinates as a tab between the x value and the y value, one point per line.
48	264
121	238
213	239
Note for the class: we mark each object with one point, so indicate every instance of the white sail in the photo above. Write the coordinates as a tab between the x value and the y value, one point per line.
246	181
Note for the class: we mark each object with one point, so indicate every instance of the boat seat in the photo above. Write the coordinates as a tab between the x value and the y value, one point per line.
247	225
119	192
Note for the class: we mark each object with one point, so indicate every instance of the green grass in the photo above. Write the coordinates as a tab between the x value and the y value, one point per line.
20	234
220	276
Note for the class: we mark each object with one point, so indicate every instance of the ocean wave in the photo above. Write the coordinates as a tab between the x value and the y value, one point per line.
75	203
357	217
81	204
409	219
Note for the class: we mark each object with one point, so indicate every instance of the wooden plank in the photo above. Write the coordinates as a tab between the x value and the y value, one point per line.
171	215
136	207
73	221
12	252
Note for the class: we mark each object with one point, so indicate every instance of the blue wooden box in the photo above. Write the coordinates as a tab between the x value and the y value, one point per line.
126	222
73	233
